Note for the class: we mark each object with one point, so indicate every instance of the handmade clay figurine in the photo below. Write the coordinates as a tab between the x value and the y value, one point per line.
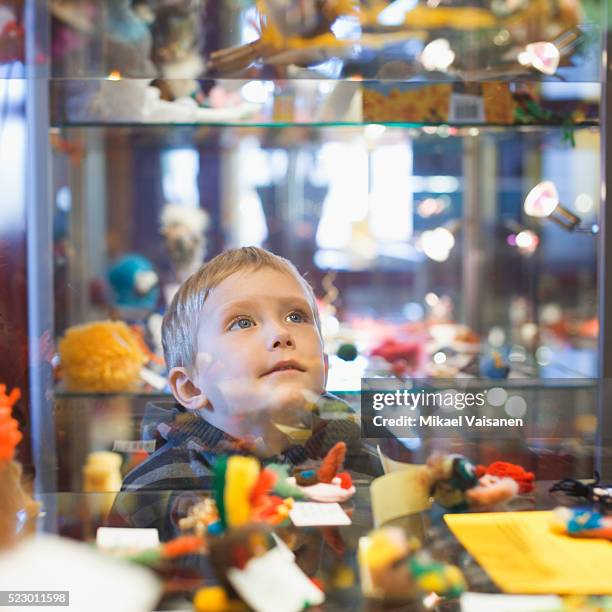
325	483
582	523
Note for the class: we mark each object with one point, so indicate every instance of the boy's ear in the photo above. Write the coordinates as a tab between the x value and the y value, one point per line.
185	392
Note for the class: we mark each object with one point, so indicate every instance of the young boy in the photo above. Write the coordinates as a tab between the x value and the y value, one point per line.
243	345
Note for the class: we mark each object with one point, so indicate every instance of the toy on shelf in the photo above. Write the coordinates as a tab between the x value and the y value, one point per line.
503	469
216	599
347	351
595	493
394	568
494	366
289	33
173	549
18	511
12	34
244	493
177	40
102	472
326	483
183	229
103	356
582	523
134	285
456	485
403	356
253	564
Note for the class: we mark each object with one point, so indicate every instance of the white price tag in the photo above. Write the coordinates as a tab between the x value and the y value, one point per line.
311	514
274	583
134	446
466	108
133	539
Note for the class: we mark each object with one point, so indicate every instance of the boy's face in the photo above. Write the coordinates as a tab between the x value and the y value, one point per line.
258	346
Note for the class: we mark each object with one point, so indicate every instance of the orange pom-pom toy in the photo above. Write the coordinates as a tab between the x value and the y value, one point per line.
10	435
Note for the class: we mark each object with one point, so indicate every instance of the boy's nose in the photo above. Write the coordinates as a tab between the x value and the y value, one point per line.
281	338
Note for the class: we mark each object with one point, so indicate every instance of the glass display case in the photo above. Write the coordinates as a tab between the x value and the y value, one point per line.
379	155
435	170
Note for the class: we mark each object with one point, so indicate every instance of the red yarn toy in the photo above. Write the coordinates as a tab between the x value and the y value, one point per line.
10	436
503	469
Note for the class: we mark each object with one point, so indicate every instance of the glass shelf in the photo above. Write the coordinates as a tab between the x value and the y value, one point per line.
320	103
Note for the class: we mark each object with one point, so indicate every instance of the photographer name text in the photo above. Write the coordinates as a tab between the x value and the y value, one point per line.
438	421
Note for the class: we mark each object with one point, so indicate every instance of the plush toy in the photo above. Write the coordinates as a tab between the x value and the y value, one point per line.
503	469
582	523
183	229
177	39
393	568
325	483
102	356
134	284
244	493
347	352
102	472
455	484
494	366
18	511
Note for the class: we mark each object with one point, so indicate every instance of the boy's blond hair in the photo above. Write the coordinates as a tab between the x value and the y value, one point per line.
179	328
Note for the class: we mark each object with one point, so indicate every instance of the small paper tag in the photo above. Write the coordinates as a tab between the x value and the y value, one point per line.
110	538
273	582
312	514
134	446
484	602
465	108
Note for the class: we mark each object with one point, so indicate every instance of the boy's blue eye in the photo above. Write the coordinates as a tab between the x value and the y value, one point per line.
241	323
296	317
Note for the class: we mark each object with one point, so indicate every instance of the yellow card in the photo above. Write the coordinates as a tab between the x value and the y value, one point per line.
522	554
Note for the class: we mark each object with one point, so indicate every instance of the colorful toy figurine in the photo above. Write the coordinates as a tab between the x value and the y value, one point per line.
457	486
326	483
503	469
582	523
243	494
494	366
394	568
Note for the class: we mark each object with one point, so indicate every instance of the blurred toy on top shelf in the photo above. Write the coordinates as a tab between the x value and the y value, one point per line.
178	40
289	33
12	32
306	34
127	39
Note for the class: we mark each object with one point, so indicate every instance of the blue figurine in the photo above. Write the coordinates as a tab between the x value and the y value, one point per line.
494	366
134	284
